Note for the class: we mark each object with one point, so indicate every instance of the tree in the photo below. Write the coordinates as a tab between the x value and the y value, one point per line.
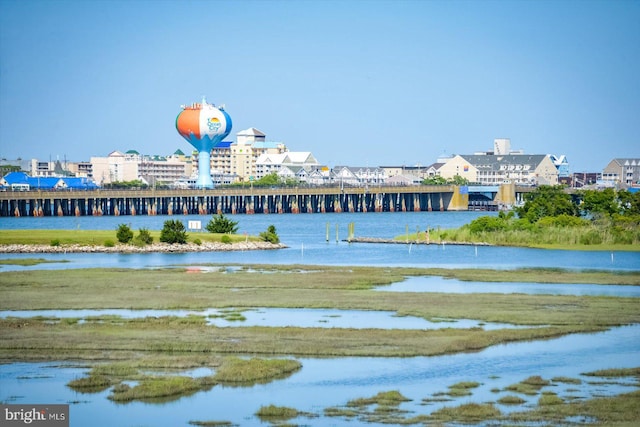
124	233
221	224
604	202
434	180
458	180
547	200
173	231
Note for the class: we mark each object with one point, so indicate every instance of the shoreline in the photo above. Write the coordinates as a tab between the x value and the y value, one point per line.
415	242
155	247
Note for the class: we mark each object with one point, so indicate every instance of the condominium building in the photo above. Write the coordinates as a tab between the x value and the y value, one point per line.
490	169
622	171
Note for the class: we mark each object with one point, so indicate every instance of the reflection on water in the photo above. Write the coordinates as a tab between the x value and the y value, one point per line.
272	317
455	286
323	383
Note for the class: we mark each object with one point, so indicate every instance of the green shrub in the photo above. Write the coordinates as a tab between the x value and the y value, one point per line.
124	233
487	224
226	239
270	235
172	232
221	224
55	242
197	241
144	236
109	243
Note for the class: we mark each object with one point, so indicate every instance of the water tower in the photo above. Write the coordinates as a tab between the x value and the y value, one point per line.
204	125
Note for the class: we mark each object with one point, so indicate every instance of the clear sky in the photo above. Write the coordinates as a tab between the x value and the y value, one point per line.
354	82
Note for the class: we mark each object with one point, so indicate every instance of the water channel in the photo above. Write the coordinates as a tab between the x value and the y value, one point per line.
323	383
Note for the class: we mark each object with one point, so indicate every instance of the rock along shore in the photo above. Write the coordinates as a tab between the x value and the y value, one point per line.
155	247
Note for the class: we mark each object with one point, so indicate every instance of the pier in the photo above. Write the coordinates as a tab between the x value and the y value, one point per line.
234	200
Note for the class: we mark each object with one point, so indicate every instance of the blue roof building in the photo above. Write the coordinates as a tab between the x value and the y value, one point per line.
22	182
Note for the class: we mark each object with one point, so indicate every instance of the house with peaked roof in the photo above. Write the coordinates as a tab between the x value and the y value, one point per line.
358	176
286	163
622	171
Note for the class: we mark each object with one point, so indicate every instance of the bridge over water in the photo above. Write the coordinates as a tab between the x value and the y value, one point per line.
250	200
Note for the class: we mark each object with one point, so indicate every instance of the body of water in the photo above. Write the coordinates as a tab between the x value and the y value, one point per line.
327	382
306	238
455	286
323	383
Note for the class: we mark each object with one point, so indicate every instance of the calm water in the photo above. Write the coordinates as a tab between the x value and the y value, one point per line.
332	382
454	286
306	237
274	317
323	383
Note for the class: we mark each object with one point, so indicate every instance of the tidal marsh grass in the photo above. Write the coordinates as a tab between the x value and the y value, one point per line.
235	370
530	386
549	398
279	413
617	372
467	413
511	400
151	388
566	380
27	262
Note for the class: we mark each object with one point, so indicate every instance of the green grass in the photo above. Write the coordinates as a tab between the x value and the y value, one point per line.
98	237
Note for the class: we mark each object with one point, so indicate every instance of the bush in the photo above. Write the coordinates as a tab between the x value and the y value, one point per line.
270	235
109	243
144	236
124	233
225	239
485	224
55	242
197	242
221	224
172	232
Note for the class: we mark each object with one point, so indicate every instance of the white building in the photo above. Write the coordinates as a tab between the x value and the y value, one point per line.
285	164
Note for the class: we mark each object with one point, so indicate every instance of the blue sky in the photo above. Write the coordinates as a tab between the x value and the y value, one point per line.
354	82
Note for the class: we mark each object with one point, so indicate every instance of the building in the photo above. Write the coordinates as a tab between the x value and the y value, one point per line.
491	169
20	181
250	144
116	167
562	165
131	166
623	172
463	166
287	164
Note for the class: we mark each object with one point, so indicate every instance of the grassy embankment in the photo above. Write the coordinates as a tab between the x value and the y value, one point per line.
99	237
587	238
